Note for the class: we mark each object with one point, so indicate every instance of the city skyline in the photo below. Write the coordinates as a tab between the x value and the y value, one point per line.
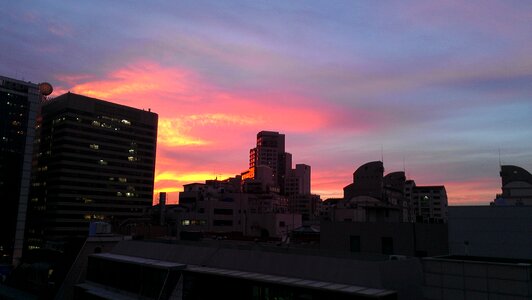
436	89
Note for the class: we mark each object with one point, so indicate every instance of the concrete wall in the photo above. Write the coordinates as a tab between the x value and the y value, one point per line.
493	231
408	238
277	225
459	279
404	276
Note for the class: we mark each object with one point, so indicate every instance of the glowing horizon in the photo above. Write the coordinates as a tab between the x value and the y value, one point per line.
439	87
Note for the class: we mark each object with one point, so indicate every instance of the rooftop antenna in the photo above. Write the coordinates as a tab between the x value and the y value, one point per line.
404	167
500	164
382	154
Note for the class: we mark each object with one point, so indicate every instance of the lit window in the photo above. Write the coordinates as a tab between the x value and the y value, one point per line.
126	122
94	146
102	162
95	123
131	150
122	179
185	222
119	194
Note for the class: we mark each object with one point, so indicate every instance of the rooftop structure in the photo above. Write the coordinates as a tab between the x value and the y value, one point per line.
241	271
516	186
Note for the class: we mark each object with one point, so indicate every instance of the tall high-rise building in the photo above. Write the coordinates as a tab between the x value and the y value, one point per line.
19	102
270	152
96	161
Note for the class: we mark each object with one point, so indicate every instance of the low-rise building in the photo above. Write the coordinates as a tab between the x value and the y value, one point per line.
399	238
200	270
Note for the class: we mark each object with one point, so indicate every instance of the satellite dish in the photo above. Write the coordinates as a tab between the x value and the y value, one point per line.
45	88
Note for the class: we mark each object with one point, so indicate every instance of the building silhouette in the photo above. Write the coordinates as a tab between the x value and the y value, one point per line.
270	152
429	203
270	169
95	162
19	103
374	196
516	187
223	207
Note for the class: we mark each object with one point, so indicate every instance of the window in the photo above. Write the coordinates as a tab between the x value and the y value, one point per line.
387	245
354	243
223	211
222	223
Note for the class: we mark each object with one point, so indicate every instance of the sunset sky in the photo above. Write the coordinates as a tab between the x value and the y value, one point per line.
438	85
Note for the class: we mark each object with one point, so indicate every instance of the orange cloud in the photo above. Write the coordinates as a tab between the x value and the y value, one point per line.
197	116
171	133
189	177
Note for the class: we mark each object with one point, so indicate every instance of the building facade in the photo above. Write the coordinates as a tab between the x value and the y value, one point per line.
491	231
376	197
221	207
19	104
429	203
516	185
297	181
95	162
408	239
270	152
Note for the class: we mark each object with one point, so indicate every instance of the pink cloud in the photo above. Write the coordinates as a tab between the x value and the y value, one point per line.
198	119
205	131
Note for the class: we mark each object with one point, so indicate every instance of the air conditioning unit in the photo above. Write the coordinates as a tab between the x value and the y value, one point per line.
96	228
397	257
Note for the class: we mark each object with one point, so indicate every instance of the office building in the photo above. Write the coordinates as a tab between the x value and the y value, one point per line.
95	162
19	104
270	165
270	152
